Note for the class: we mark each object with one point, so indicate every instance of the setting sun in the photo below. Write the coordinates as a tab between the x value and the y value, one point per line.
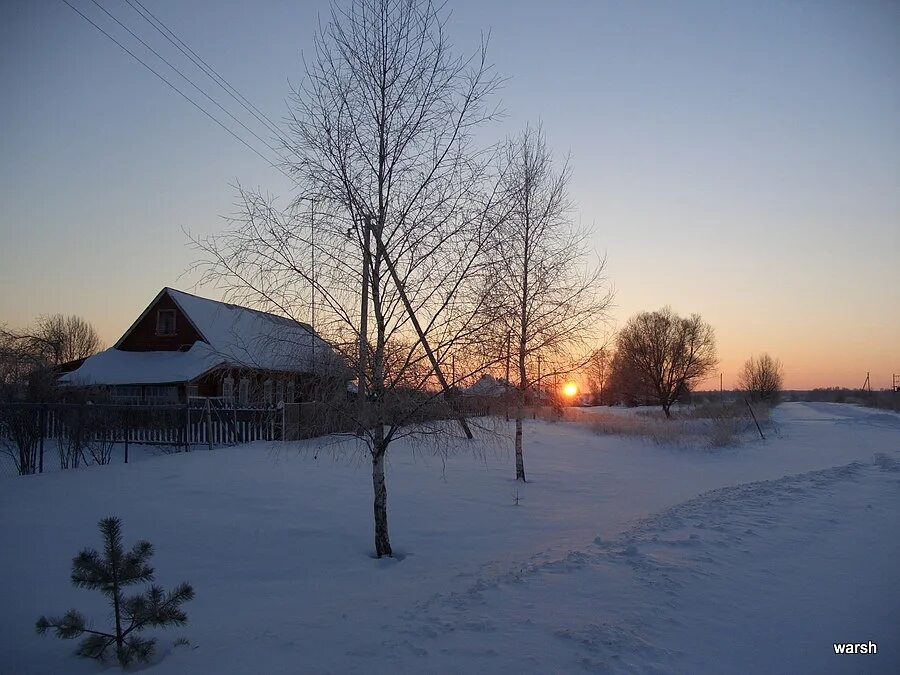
570	389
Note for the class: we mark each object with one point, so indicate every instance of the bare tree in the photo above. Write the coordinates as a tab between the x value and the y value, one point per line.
58	339
548	298
387	234
762	378
626	385
669	353
23	377
15	365
26	369
599	370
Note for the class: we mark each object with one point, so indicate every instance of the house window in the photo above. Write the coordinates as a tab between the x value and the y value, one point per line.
165	322
228	387
193	390
290	392
279	392
267	392
160	394
244	391
125	393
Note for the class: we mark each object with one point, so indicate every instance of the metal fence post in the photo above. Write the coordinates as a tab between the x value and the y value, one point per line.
209	428
42	418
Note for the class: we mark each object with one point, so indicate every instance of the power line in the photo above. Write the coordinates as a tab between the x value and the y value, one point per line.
188	80
211	72
176	89
194	103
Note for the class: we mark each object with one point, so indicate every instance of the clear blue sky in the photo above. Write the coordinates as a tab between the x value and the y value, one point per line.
738	159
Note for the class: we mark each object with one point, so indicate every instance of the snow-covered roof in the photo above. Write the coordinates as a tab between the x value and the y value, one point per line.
115	366
232	336
253	339
488	385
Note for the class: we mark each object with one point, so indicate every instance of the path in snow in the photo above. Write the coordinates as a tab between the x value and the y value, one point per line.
762	577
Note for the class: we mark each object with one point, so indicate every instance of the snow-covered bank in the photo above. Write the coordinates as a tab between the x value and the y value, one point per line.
277	544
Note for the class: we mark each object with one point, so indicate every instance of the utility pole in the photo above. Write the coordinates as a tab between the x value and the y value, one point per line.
507	356
312	300
364	308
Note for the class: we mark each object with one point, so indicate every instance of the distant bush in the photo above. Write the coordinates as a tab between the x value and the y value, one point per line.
20	435
89	434
762	378
705	425
725	431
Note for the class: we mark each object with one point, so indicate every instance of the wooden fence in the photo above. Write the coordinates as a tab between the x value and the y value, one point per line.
183	425
26	428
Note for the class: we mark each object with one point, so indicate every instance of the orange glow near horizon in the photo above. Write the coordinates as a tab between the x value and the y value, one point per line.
570	389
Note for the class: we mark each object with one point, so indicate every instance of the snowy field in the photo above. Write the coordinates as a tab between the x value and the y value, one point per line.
621	555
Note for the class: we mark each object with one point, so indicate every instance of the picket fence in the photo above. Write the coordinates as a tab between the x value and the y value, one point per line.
182	425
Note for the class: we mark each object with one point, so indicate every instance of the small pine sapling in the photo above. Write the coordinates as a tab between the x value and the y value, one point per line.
109	573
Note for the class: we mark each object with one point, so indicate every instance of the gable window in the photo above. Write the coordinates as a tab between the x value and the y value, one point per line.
165	322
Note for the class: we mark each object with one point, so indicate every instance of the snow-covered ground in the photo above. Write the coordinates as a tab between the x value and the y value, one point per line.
621	555
136	452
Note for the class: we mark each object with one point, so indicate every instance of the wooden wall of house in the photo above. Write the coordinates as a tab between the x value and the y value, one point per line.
144	337
306	387
210	385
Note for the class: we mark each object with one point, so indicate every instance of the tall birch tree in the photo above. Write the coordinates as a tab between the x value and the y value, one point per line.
388	230
548	294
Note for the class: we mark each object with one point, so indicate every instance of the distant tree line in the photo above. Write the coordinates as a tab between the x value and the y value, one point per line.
885	399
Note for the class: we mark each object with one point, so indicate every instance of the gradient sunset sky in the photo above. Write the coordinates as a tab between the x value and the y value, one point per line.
736	159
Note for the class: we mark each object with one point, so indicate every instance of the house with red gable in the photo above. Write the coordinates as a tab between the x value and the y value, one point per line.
183	346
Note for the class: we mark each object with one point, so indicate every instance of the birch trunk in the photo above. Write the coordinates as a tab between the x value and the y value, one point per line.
523	397
520	459
382	541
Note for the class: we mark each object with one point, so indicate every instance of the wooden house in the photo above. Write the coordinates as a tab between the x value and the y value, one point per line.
183	346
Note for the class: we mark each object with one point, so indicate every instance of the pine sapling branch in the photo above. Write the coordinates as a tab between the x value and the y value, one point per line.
108	573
